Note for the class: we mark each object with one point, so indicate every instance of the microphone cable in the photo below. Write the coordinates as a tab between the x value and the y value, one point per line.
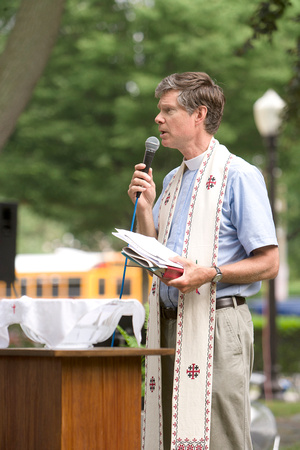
151	144
125	265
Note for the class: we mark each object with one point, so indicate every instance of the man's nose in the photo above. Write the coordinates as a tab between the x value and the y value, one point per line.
159	118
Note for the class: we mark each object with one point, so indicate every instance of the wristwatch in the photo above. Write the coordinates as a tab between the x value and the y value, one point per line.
218	276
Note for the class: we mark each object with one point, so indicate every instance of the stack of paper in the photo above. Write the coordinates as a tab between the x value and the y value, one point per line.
150	254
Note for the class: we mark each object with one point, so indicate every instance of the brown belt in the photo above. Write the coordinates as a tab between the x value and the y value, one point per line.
227	302
223	302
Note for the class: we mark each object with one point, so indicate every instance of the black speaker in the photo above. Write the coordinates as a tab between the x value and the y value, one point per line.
8	238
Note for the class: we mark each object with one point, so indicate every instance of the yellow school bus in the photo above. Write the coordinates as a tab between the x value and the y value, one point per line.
72	273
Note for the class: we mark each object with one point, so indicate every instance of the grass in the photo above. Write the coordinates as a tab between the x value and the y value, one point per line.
291	447
283	409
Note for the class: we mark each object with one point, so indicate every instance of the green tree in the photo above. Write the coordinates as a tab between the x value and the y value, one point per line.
266	22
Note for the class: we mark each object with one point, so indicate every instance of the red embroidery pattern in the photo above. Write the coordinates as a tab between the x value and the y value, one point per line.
165	200
194	196
168	198
152	384
202	443
211	182
171	212
193	371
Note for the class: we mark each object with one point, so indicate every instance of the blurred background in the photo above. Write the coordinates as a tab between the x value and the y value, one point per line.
77	81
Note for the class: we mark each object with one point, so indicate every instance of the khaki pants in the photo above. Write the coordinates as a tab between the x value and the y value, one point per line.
233	361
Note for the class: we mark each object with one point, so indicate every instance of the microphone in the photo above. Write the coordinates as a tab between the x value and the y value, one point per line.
151	144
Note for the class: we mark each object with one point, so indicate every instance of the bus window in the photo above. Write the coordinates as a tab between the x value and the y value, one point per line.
74	287
39	287
126	289
23	286
8	290
55	282
101	286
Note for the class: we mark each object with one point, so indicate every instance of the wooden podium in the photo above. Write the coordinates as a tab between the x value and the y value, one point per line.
71	399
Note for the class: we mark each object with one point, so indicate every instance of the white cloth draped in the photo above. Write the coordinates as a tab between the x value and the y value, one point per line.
60	323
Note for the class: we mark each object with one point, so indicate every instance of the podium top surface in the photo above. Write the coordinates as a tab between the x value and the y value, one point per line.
96	352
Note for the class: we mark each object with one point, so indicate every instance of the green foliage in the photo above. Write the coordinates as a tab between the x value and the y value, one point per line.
265	18
18	339
130	340
294	288
37	235
267	21
288	335
8	9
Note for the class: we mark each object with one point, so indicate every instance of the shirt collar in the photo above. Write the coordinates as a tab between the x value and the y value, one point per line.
194	163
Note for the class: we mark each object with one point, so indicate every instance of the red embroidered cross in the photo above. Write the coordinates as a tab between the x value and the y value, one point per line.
193	371
152	384
210	182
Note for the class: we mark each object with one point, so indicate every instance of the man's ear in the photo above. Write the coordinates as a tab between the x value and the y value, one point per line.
201	113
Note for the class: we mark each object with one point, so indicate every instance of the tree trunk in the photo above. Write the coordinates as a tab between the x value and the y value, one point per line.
25	56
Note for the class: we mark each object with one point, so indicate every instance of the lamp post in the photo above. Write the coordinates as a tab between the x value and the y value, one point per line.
268	118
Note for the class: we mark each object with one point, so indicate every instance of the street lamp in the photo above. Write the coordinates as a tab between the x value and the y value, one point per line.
268	118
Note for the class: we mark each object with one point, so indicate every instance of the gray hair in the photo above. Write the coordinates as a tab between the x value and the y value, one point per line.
196	89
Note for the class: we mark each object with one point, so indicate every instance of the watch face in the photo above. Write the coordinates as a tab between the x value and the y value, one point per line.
218	277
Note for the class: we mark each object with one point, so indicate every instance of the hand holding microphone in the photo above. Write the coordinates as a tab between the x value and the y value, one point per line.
151	144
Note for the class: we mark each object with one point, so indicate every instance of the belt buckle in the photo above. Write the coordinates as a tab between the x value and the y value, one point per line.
168	312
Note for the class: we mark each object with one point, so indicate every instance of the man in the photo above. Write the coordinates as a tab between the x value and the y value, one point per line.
214	211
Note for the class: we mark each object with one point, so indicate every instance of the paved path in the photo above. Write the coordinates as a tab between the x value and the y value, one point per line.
289	430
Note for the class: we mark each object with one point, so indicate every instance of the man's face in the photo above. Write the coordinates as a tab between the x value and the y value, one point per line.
176	126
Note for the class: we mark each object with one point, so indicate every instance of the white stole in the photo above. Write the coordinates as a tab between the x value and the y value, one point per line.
192	387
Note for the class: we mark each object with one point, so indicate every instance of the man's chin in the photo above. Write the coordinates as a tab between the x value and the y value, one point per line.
166	143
